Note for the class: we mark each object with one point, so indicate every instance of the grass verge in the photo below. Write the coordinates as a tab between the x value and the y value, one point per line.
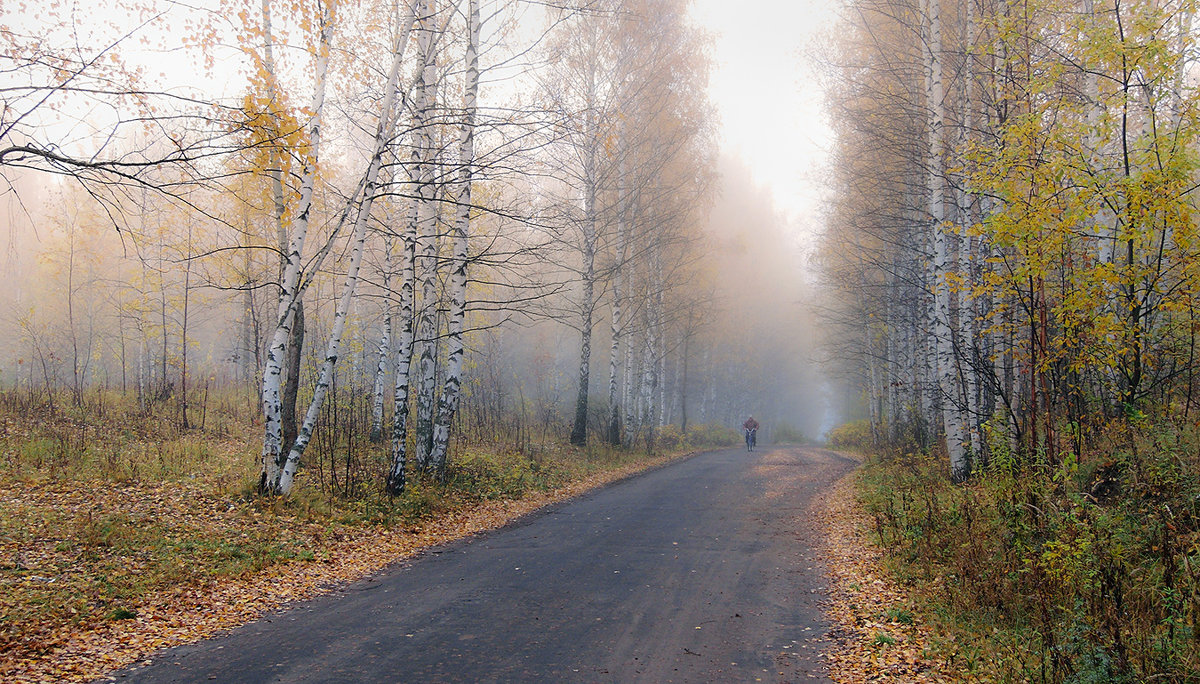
1052	570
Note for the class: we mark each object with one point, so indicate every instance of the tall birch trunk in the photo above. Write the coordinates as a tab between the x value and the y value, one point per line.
613	429
660	356
385	350
943	331
452	389
289	297
396	477
295	344
967	320
579	426
627	401
403	361
427	238
370	185
683	375
874	418
587	303
646	393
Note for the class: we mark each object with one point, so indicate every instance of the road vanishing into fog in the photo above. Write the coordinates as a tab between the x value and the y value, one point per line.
701	571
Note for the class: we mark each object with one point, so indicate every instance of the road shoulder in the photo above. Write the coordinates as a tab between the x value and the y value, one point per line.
876	634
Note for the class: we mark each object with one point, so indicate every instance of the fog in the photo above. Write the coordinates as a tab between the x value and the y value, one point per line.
615	241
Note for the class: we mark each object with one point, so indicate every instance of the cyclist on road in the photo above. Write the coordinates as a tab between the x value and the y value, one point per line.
751	427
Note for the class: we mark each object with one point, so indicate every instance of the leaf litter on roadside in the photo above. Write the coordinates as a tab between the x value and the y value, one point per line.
876	637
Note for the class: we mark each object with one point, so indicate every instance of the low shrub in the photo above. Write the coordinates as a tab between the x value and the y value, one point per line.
854	436
670	437
712	435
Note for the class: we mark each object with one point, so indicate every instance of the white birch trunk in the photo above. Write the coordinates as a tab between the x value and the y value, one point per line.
404	353
660	356
616	324
627	397
587	303
967	319
943	326
579	428
452	389
396	481
272	454
646	393
427	238
874	392
385	350
383	136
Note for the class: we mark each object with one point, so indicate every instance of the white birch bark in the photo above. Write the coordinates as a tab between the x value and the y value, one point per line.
272	454
385	349
616	324
403	361
943	327
875	391
427	238
587	302
660	357
646	387
587	306
383	136
452	388
396	481
891	375
627	400
967	320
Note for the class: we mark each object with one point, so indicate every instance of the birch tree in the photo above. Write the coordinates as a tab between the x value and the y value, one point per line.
370	184
451	393
274	456
940	281
426	236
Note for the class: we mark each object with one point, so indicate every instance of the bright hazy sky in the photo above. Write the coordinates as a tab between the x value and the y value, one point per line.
765	89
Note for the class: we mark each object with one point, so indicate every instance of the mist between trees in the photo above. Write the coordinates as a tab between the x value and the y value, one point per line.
473	220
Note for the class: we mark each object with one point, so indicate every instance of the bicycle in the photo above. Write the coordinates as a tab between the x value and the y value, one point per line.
751	439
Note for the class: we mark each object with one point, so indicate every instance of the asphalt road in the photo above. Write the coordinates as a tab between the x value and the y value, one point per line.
701	571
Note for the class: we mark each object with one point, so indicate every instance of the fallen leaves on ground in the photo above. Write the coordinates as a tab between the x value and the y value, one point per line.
66	652
876	637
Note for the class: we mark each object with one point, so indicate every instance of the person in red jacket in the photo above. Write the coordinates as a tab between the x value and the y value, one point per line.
751	427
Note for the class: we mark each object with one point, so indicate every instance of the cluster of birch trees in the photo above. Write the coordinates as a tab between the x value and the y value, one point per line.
354	198
1014	239
639	158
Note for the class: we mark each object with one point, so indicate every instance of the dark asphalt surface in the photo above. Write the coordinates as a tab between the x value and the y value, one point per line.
701	571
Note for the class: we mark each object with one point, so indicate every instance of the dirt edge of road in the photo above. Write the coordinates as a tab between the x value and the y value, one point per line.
192	613
876	635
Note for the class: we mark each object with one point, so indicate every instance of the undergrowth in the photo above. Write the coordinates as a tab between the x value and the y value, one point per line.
1054	570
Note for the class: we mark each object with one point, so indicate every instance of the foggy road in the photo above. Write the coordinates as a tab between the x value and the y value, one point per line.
700	571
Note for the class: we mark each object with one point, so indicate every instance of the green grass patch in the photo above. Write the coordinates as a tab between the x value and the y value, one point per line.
883	639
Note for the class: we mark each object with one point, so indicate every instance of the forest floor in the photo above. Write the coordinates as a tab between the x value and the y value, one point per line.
877	634
99	571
